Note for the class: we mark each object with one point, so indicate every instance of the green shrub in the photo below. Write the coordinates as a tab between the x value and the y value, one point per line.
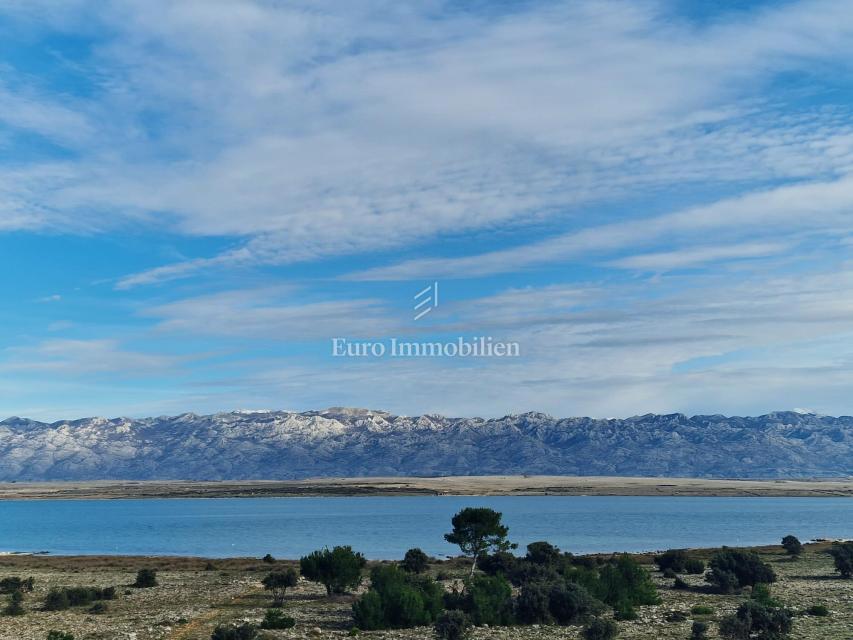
676	616
669	573
543	553
701	610
268	559
600	629
145	578
732	569
277	619
570	603
16	604
761	594
674	559
59	635
819	610
757	621
452	625
56	600
14	583
337	569
694	566
843	556
624	581
624	610
488	600
397	599
278	582
99	608
533	605
792	545
680	585
415	561
245	631
699	630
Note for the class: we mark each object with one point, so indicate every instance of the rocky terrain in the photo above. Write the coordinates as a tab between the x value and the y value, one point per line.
195	595
358	443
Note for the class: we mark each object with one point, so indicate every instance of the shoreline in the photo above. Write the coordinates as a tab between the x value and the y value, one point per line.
484	486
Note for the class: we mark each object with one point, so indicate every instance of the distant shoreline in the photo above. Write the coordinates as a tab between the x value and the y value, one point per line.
440	486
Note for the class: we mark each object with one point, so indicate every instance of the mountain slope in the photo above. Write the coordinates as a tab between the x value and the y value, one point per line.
354	442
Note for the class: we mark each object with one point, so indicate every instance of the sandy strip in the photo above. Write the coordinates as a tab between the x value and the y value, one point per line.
457	485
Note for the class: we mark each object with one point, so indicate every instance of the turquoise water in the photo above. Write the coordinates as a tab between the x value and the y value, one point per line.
384	527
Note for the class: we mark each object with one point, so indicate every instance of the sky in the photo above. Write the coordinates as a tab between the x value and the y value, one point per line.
654	200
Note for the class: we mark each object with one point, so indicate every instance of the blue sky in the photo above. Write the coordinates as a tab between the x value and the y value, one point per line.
654	199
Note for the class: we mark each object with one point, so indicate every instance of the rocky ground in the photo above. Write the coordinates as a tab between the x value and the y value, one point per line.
194	595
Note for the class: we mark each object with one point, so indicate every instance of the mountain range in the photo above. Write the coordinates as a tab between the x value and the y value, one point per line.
340	442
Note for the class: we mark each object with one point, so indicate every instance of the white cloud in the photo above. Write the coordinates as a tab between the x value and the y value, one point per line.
322	129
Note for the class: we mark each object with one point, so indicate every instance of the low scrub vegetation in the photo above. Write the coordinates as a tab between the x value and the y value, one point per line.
338	569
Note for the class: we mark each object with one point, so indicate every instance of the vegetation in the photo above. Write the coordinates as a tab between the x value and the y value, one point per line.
415	561
600	629
842	554
244	631
16	604
277	619
757	621
452	625
268	559
145	579
678	561
59	635
793	547
819	610
477	530
699	630
732	569
398	599
14	583
61	599
337	569
279	582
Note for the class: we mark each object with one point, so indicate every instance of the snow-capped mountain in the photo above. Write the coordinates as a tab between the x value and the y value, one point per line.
357	442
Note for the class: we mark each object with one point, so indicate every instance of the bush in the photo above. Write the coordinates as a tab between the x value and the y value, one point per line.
543	553
570	603
245	631
676	616
488	600
14	583
145	578
624	581
397	599
533	605
415	561
56	600
694	566
843	556
268	559
337	569
99	608
792	545
600	629
16	604
59	635
761	593
680	585
277	619
675	559
278	582
699	630
757	621
701	610
819	610
732	569
669	573
624	610
452	625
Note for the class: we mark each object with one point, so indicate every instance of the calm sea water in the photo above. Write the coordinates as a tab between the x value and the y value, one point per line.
384	527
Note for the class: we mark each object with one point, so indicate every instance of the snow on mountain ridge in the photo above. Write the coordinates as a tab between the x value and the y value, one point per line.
340	442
